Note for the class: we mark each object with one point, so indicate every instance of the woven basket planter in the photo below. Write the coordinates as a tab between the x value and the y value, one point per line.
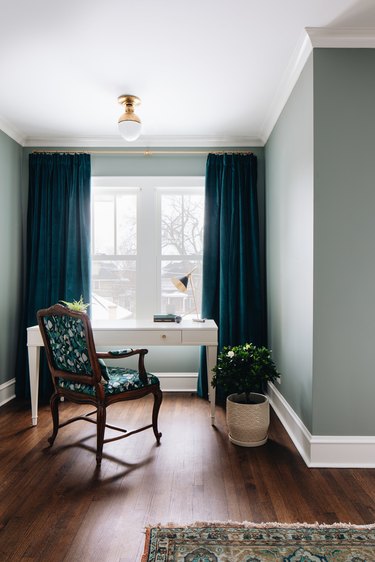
248	423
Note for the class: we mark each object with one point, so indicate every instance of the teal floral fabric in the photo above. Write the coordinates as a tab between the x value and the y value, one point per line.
68	344
120	380
104	369
69	350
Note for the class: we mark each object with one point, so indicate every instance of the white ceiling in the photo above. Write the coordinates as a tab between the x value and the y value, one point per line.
214	72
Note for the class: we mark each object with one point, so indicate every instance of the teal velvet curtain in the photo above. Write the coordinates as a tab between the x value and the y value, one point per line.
232	292
58	246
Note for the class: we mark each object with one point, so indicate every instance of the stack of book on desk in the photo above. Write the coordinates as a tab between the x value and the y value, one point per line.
166	318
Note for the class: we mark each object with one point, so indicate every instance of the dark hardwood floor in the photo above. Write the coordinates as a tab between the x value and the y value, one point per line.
56	505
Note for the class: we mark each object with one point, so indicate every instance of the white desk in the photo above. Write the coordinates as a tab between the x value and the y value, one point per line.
134	333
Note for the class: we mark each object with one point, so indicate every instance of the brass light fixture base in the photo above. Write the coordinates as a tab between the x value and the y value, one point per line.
129	102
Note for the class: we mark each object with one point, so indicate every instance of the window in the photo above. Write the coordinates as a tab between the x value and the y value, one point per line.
146	231
114	253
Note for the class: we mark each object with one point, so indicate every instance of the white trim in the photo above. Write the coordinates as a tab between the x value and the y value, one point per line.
145	141
11	132
342	38
7	391
147	181
295	428
289	79
148	295
311	38
178	382
322	450
343	451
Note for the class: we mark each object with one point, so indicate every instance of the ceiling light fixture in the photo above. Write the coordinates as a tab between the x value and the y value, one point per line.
129	123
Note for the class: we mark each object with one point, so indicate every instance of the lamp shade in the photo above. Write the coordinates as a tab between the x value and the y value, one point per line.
181	284
129	130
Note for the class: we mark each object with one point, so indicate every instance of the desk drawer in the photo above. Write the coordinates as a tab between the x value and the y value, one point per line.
201	337
166	337
155	337
136	338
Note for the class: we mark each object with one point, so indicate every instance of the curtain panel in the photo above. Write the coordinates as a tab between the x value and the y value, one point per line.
58	246
232	292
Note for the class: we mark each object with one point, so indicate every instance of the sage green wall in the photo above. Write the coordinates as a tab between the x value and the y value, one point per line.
289	235
171	359
344	242
320	201
10	253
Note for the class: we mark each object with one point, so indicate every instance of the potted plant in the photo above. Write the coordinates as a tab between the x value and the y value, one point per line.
77	306
243	371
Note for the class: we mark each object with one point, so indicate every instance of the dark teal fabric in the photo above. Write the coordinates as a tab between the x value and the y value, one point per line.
120	380
232	294
58	246
67	339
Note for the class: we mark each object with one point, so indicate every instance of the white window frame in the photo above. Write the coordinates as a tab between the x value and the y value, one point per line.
148	261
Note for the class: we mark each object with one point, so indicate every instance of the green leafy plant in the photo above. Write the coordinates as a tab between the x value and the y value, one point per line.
244	369
78	306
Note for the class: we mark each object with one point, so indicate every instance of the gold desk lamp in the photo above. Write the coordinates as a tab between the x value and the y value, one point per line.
181	285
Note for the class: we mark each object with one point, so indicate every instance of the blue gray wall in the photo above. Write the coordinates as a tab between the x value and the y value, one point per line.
289	220
10	253
320	243
344	242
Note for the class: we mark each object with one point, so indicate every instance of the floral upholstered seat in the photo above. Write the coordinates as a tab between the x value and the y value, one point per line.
80	375
120	380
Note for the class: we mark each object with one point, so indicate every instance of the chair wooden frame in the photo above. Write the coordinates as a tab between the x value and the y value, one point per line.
100	400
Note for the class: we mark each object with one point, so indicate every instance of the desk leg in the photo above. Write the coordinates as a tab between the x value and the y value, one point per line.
34	362
211	355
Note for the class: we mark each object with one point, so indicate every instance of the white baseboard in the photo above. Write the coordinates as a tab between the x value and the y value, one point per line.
323	451
178	382
295	428
7	391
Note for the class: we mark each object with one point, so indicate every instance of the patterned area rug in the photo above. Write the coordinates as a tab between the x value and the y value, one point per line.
248	542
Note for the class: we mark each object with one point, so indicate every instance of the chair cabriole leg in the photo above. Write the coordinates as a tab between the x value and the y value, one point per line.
158	397
100	428
54	405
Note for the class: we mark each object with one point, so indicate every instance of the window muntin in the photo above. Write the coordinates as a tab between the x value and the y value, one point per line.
114	253
142	237
181	236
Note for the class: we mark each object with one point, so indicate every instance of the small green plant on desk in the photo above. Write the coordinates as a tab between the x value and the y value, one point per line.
78	306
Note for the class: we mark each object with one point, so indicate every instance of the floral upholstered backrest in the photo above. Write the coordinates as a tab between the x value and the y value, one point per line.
68	344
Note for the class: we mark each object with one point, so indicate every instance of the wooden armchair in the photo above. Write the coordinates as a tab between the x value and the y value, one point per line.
80	375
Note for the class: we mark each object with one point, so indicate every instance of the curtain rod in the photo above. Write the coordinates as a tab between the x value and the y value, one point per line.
140	152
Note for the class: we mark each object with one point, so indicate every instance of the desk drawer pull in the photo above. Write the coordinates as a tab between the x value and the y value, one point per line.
164	337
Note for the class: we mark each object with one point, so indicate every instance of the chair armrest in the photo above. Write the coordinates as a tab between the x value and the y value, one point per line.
116	353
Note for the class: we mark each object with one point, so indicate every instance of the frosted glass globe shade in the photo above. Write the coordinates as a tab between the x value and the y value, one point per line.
130	130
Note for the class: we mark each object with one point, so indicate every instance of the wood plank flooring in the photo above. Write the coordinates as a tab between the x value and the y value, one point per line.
55	505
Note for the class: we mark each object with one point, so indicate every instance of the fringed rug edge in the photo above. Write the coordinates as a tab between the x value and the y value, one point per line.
249	524
146	549
268	525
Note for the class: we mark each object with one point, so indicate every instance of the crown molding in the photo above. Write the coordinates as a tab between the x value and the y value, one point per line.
290	76
313	37
145	141
11	132
341	38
